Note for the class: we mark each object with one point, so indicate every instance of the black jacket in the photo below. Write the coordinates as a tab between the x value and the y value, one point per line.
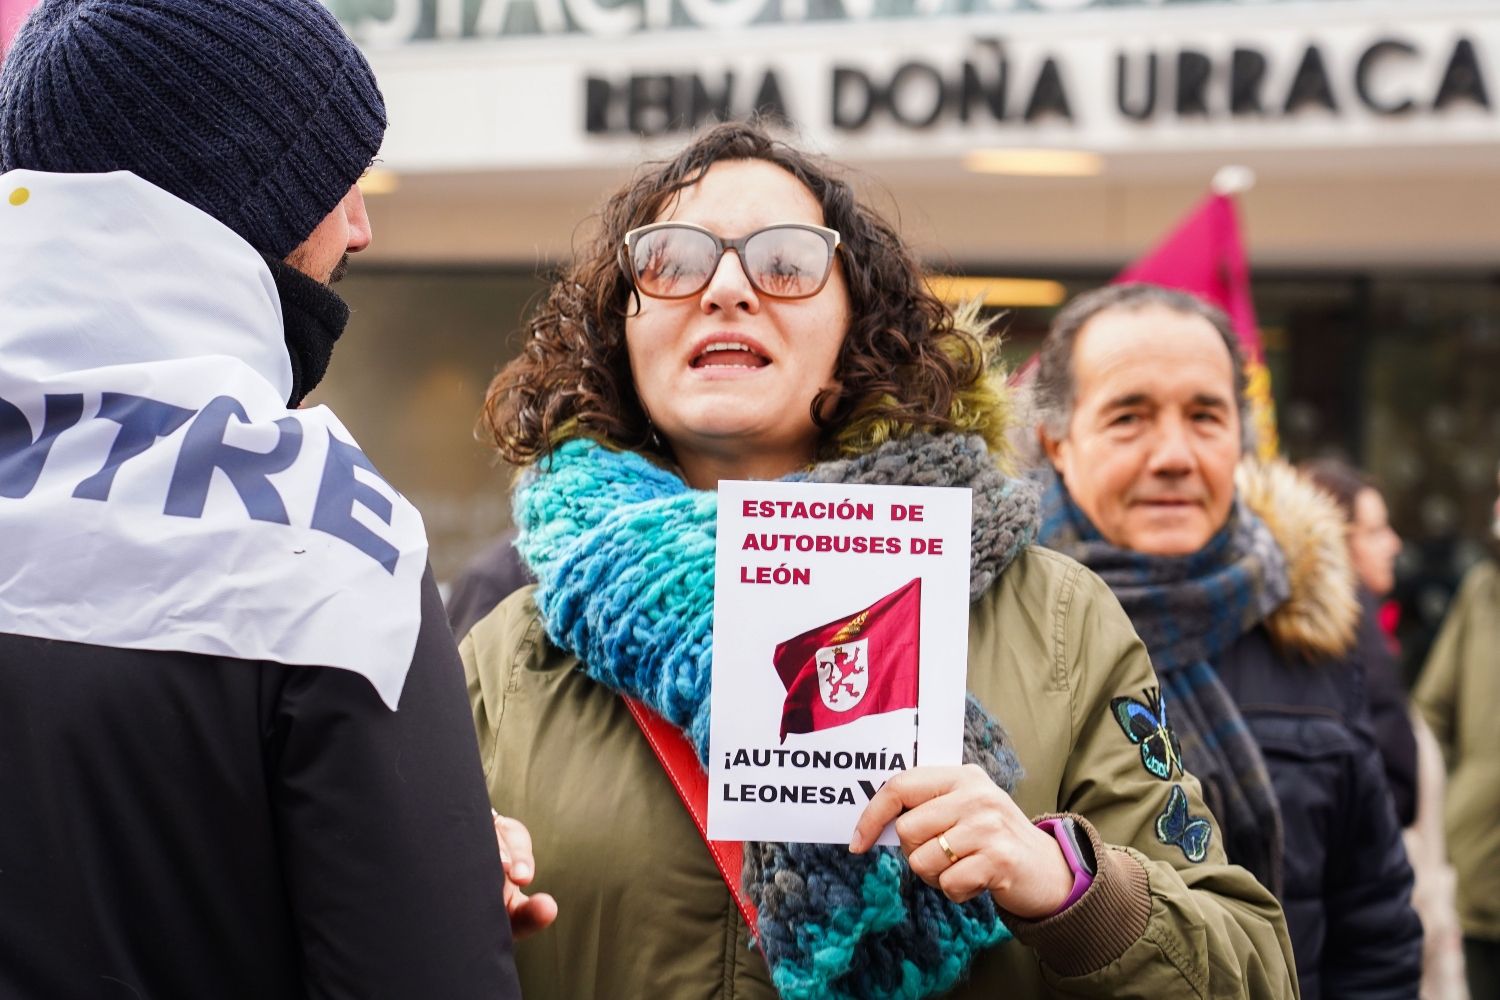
1347	891
176	826
1388	711
489	578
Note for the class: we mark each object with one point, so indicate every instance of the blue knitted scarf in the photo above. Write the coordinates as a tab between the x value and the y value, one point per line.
1189	610
623	551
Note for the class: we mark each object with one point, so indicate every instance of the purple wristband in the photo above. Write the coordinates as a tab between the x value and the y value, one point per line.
1062	831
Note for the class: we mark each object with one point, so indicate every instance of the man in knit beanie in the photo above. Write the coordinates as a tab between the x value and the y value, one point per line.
261	114
236	757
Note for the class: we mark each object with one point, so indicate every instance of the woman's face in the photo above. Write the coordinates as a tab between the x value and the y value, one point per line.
728	376
1373	545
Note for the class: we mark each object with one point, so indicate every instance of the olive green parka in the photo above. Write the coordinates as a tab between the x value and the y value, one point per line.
643	912
1458	695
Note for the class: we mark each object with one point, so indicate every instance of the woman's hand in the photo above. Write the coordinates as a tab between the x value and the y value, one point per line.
528	914
990	844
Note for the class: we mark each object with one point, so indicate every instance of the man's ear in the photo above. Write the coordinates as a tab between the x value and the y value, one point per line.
1056	451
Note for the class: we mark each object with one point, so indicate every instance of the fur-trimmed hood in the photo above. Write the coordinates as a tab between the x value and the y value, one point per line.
983	406
1320	617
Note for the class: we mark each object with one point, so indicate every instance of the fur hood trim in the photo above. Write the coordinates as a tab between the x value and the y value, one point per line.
1320	617
983	407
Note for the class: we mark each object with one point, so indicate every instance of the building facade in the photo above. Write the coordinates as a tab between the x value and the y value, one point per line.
1049	141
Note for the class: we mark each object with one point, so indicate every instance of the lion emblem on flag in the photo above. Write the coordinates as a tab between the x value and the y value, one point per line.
843	674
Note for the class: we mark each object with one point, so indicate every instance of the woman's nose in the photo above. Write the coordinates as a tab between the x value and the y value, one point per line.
729	289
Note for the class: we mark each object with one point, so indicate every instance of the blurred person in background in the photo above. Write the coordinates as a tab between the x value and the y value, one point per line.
1373	548
234	754
742	315
490	577
1458	693
1240	588
1413	761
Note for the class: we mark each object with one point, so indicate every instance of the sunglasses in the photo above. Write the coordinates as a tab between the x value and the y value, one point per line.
675	260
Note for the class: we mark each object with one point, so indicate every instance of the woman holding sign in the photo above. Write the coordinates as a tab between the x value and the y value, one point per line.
741	315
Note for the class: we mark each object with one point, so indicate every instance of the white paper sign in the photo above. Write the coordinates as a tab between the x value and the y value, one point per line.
841	619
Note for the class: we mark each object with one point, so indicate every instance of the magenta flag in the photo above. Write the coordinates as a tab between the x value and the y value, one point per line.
1204	255
12	13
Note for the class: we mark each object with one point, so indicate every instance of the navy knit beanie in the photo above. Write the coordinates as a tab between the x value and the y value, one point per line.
260	112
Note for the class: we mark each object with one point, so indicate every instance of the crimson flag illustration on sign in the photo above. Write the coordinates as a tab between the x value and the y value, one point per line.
865	663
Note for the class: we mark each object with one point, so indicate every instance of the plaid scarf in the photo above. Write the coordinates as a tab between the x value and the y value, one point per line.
1188	610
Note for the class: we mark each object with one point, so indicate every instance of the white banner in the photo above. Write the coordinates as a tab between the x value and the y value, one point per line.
155	492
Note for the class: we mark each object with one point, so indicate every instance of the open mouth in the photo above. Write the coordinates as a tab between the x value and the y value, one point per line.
730	354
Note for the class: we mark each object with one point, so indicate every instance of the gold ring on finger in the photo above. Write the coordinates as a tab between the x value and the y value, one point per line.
942	841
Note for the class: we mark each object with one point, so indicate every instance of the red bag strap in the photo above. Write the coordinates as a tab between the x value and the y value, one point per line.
688	778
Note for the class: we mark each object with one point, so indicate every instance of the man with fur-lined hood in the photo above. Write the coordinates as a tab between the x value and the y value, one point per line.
1237	578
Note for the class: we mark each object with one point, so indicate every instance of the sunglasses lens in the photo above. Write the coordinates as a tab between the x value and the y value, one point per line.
671	262
788	262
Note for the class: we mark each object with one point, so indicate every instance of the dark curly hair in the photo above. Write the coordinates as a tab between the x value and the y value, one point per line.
902	367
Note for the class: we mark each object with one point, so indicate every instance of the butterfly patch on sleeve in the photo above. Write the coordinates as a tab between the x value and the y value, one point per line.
1176	826
1146	725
